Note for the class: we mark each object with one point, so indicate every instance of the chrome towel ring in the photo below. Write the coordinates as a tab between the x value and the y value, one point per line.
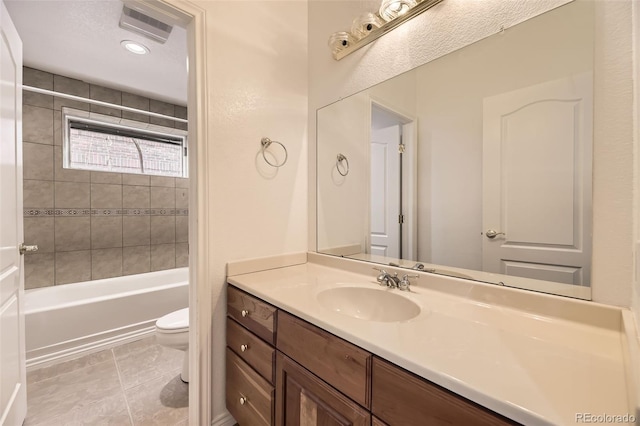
266	142
339	161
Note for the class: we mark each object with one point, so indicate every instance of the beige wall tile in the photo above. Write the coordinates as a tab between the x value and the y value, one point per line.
132	179
161	108
182	198
40	231
106	232
105	94
38	161
163	229
39	270
106	196
71	87
180	111
106	263
74	195
163	198
38	194
73	267
163	256
182	229
106	177
136	260
182	182
136	230
138	102
37	124
182	255
72	233
37	78
37	99
135	197
57	128
163	181
68	175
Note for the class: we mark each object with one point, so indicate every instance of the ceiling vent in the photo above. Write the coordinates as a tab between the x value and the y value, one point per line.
138	22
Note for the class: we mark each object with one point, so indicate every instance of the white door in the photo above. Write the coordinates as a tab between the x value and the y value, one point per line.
537	166
13	392
385	192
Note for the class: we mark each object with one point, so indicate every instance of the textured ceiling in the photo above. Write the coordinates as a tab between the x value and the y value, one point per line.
81	39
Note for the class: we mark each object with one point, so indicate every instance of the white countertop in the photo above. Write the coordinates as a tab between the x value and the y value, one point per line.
533	368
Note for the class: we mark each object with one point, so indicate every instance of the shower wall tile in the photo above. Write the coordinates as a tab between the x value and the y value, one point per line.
131	179
165	181
40	231
182	255
182	229
163	198
72	195
106	196
105	94
106	263
39	270
68	175
135	197
37	124
72	233
73	266
136	260
181	112
38	194
163	229
163	256
104	223
137	102
38	161
136	230
106	232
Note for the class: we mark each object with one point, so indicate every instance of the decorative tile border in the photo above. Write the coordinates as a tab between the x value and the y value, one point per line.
103	212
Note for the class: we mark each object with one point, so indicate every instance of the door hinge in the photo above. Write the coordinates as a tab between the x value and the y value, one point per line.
401	148
401	218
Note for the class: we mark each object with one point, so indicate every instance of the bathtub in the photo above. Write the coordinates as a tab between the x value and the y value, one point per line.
68	320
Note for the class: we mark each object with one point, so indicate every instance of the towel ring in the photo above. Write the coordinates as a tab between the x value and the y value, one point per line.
266	142
339	161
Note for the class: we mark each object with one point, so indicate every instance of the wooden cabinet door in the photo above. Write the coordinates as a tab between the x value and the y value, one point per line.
305	400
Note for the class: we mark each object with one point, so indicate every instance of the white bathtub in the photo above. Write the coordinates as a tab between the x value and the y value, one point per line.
68	320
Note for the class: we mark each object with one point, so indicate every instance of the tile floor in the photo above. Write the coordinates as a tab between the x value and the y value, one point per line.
136	383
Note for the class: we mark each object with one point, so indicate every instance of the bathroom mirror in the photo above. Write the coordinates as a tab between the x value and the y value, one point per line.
477	165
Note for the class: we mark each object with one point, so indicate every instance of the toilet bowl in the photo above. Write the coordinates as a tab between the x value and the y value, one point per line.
172	331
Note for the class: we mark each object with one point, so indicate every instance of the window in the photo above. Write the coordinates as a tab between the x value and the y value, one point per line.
94	144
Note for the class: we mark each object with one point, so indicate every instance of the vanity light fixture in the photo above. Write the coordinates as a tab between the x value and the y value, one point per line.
135	47
370	26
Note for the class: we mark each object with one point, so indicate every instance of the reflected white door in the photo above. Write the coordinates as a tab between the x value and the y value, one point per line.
385	191
537	167
13	394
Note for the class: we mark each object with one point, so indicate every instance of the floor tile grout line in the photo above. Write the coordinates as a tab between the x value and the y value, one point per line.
124	394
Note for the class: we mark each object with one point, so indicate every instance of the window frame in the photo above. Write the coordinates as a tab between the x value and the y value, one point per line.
136	127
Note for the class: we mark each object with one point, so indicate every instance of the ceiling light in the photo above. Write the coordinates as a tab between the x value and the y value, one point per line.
134	47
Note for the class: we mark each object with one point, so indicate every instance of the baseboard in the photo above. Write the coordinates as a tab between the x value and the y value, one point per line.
64	351
224	419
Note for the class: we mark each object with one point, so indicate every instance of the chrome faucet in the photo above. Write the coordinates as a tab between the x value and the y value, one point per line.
392	281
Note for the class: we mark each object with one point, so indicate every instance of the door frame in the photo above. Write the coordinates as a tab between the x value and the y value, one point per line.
409	176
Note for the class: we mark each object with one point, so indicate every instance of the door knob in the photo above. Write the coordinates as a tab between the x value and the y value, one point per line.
492	233
27	249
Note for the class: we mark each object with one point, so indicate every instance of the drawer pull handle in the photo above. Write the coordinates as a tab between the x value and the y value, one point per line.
243	400
244	347
245	313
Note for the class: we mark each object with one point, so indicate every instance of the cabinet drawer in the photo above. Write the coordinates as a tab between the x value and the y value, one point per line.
253	313
257	406
341	364
255	352
401	398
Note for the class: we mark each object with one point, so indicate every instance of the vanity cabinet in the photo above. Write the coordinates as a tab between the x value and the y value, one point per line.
282	370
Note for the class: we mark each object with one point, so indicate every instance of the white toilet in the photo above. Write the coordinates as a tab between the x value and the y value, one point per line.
172	331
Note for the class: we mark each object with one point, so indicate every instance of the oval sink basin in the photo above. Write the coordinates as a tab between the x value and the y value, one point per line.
368	304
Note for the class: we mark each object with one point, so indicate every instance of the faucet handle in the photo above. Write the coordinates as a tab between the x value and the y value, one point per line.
382	277
405	283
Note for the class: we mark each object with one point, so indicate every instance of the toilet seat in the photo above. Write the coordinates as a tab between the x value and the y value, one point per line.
174	322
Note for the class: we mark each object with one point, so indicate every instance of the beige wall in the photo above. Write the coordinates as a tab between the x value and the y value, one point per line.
93	225
456	23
